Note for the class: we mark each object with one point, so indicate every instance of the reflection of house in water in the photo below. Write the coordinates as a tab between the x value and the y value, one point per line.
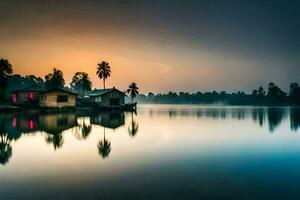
25	123
108	120
58	122
50	123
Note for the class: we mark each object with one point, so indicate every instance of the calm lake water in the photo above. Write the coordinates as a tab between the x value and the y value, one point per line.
162	152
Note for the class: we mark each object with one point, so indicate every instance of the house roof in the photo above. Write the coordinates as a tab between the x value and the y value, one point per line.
30	88
61	89
100	92
38	88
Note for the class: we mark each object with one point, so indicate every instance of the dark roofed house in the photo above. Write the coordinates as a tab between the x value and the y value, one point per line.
108	97
28	95
58	98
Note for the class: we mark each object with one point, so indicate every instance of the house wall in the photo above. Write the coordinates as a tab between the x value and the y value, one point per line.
49	99
22	97
105	98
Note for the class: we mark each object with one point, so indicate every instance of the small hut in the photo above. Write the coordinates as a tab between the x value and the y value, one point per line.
28	95
58	98
111	97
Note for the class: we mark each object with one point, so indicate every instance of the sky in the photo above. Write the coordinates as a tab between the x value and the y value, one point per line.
163	45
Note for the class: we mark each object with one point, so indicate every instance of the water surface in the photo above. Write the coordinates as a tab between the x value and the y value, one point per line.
161	152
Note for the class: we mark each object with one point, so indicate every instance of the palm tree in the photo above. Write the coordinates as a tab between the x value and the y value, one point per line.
55	79
104	147
103	71
133	129
133	90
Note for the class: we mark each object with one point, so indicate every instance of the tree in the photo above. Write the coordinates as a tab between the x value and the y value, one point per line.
103	71
274	90
261	91
295	93
133	90
134	127
5	71
293	87
81	83
55	79
104	147
275	94
34	80
254	93
151	95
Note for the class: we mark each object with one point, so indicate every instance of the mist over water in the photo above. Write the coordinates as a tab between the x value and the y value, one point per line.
163	151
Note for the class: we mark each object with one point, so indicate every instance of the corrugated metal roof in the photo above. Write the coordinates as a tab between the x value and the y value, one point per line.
99	92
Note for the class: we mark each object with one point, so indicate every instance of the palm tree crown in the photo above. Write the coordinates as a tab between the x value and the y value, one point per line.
133	90
103	71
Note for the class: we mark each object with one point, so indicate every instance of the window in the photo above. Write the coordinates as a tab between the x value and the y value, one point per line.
98	99
31	124
62	98
30	95
14	122
14	98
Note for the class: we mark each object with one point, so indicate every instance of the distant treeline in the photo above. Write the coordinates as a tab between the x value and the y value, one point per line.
273	96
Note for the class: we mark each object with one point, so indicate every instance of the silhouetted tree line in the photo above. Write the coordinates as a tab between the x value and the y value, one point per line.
273	96
81	82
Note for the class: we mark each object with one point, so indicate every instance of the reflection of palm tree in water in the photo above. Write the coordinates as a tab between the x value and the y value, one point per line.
133	127
86	130
82	131
104	147
56	139
5	148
